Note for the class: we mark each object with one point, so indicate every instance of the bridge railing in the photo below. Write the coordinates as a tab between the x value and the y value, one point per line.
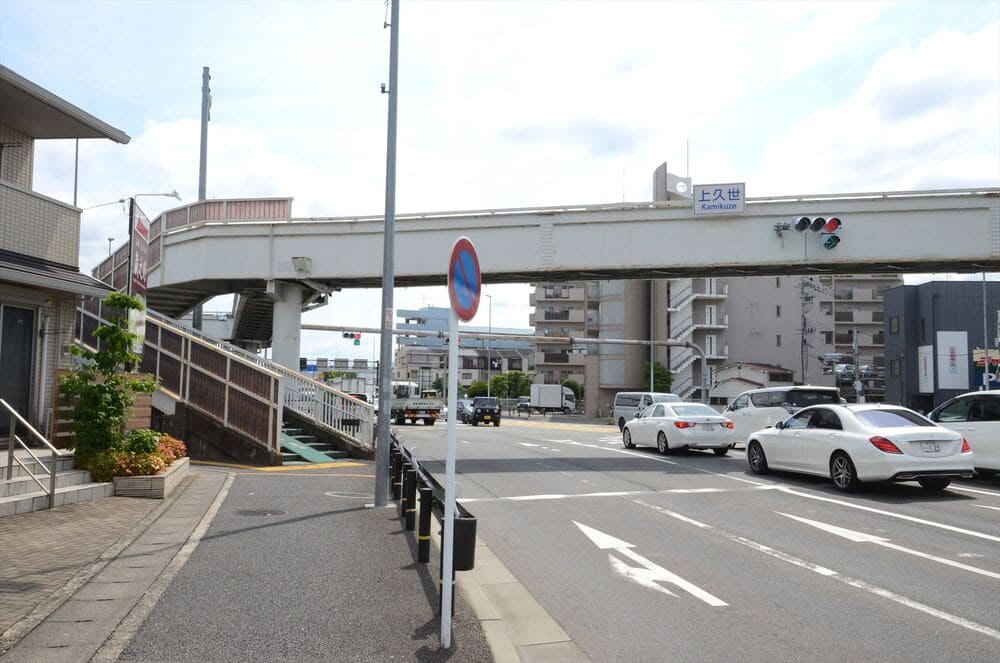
238	393
314	400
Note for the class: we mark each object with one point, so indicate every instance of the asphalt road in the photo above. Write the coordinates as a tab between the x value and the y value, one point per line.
689	557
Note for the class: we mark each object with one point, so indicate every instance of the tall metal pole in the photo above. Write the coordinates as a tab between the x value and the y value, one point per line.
388	273
652	330
206	105
986	341
448	551
489	350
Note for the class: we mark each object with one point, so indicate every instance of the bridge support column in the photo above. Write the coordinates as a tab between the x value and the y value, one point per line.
286	325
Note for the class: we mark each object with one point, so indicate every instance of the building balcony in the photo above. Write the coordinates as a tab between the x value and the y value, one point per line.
561	294
561	358
40	227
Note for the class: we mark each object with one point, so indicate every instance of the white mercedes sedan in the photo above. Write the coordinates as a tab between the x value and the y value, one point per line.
860	443
679	426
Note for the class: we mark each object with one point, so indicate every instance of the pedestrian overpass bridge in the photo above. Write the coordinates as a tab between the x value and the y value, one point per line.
279	265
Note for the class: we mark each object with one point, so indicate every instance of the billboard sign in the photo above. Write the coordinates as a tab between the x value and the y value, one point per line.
719	199
953	360
925	369
138	251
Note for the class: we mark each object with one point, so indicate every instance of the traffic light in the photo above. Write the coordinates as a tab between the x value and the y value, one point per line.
826	227
357	338
348	334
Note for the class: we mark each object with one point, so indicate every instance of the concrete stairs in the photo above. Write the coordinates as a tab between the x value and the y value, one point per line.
20	493
300	448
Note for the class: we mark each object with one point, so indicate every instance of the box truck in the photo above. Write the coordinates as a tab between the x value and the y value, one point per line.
552	398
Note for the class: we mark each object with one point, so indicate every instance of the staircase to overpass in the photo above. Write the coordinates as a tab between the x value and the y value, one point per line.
231	405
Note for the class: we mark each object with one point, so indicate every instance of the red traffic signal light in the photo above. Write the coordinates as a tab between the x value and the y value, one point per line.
357	338
832	225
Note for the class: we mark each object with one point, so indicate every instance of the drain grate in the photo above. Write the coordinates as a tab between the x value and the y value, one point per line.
260	512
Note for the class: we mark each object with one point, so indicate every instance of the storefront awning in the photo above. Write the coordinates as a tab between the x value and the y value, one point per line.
26	270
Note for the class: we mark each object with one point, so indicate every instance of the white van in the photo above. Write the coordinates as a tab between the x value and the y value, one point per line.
759	408
627	403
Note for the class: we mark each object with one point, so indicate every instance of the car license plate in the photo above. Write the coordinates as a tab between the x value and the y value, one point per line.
930	447
707	426
487	418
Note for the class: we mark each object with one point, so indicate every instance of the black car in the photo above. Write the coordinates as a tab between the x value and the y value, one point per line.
485	409
463	410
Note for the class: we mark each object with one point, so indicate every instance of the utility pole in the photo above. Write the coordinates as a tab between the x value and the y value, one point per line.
206	105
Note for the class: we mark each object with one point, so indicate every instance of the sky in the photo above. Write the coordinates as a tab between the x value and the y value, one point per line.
506	104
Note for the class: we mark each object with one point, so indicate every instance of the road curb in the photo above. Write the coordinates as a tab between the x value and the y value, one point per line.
518	629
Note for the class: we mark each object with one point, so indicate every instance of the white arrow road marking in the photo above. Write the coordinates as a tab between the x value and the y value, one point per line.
839	577
650	574
861	537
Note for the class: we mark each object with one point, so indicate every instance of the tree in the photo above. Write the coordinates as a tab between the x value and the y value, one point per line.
662	377
500	386
102	391
519	383
476	389
440	385
575	386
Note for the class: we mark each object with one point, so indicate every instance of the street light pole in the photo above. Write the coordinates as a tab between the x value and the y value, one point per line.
110	240
489	345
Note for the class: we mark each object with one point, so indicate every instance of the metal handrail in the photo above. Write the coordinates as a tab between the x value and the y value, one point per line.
15	419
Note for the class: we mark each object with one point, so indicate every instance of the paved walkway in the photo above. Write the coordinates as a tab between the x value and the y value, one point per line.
242	565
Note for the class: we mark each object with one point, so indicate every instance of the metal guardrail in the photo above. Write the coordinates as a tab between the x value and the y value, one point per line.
406	479
16	419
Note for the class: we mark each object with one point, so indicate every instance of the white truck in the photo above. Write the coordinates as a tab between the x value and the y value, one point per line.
551	398
408	405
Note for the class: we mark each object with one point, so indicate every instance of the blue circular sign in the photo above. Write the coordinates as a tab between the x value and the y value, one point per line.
464	279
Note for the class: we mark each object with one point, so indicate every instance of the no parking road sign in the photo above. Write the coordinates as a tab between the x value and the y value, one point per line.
464	282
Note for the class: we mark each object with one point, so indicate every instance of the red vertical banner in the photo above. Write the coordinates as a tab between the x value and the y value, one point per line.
138	250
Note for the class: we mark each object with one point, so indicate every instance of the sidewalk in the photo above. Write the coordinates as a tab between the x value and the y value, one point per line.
196	577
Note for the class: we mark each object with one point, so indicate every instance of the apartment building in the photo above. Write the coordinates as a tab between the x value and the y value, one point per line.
784	322
40	279
424	359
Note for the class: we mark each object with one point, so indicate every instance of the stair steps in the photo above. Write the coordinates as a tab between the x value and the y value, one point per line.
20	493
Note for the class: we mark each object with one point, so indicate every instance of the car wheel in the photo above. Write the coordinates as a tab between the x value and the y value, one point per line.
400	421
661	443
621	423
842	471
429	421
934	484
627	439
496	423
475	422
756	458
721	452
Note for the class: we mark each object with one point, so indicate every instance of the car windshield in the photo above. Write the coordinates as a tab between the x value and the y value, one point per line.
807	397
891	418
486	402
693	410
666	398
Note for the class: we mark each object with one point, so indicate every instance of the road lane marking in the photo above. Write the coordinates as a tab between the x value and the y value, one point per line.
616	493
527	444
861	537
891	514
983	506
835	575
974	490
650	574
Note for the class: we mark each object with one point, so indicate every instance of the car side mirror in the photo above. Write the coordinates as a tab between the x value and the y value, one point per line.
779	424
637	415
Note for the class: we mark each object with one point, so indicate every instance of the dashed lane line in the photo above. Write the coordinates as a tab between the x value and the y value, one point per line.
830	573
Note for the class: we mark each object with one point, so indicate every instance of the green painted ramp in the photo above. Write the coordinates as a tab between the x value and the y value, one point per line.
289	443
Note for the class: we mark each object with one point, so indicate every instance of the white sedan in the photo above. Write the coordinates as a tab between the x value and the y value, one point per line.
679	425
855	443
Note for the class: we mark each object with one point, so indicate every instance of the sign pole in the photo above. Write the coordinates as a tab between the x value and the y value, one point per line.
448	563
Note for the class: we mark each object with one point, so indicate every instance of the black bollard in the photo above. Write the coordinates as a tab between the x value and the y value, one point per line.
410	493
393	452
404	503
397	476
424	533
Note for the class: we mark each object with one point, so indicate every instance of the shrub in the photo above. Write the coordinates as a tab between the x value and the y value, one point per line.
143	440
171	448
101	390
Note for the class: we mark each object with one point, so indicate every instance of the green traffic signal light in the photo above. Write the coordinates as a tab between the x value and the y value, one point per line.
831	242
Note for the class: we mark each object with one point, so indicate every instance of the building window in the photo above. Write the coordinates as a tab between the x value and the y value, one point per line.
893	367
778	340
828	337
718	400
894	324
777	310
466	376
